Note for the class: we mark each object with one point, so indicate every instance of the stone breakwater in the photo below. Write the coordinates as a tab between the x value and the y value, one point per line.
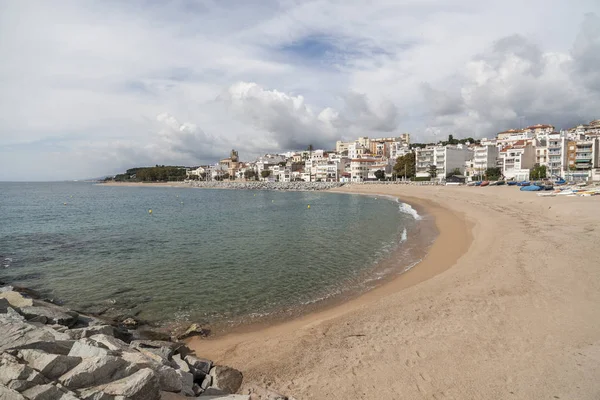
259	185
48	352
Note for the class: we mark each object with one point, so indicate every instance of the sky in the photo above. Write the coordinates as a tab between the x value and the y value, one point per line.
91	88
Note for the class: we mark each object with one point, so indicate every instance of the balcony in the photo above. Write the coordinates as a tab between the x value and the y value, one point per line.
583	157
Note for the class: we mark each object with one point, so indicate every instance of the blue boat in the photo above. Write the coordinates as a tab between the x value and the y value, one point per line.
523	183
560	181
478	183
531	188
511	183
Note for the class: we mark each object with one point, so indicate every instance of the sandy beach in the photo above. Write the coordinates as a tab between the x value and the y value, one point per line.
504	306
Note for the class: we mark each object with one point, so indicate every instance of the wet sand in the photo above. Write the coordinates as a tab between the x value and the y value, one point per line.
505	305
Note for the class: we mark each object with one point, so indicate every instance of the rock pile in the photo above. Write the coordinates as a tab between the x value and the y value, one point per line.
50	353
260	185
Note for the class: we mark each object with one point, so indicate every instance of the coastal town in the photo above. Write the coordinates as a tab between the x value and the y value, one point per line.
535	152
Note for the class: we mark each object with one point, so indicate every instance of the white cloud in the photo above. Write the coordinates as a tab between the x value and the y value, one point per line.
81	84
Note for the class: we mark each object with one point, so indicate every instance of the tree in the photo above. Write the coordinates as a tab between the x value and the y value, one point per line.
432	171
538	172
380	174
405	166
226	175
249	174
493	173
265	173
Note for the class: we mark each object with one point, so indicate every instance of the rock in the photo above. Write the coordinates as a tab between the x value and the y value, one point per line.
80	333
85	348
137	358
109	342
9	394
129	323
53	314
94	394
187	382
162	349
62	347
206	382
194	330
155	356
143	385
50	365
94	371
226	378
199	364
11	370
168	378
147	333
4	305
181	364
15	332
21	385
16	299
47	392
197	389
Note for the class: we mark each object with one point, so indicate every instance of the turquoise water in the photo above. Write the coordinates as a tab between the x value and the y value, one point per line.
209	256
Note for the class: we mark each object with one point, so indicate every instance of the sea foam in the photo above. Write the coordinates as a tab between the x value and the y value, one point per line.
407	209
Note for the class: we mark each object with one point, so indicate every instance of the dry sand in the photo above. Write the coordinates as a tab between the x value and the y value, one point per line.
505	306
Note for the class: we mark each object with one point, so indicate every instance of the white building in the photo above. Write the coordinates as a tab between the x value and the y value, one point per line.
557	155
341	146
356	150
359	168
446	159
517	160
398	149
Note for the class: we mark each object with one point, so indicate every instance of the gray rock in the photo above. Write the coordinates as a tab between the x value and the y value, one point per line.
163	349
11	369
54	347
168	378
80	333
21	385
183	366
197	389
194	330
16	299
139	359
47	392
206	382
110	342
53	314
187	382
14	333
50	365
94	371
4	304
200	364
226	378
155	356
87	348
10	316
143	385
9	394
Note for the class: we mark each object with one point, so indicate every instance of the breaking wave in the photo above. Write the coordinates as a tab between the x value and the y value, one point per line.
407	209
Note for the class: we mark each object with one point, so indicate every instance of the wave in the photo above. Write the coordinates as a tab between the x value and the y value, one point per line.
407	209
6	262
404	236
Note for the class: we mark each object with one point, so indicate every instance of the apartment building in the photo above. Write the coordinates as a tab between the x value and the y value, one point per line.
359	168
584	159
445	158
517	160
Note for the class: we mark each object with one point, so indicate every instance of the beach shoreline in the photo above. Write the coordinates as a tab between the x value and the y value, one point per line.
451	228
503	306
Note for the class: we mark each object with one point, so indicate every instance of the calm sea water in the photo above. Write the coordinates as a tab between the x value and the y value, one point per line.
209	256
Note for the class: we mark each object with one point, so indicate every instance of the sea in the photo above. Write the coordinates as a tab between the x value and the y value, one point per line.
220	258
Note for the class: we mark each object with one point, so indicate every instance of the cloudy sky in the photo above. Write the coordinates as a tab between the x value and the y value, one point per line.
89	88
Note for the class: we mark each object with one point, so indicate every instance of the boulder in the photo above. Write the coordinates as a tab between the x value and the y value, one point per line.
80	333
129	323
139	359
187	382
206	382
11	370
62	347
21	385
194	330
9	394
168	378
10	315
199	364
94	371
50	365
86	348
143	385
181	364
53	314
226	378
109	342
16	299
155	356
4	305
94	394
47	392
15	332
